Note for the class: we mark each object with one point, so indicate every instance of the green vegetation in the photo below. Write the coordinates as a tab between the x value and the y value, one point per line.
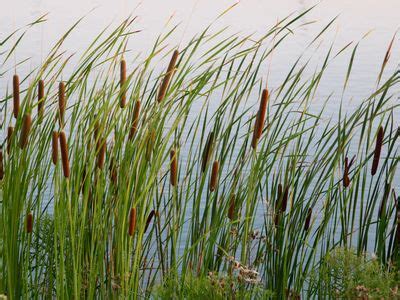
125	178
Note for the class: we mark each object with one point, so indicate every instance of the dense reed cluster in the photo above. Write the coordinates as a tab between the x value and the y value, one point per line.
124	176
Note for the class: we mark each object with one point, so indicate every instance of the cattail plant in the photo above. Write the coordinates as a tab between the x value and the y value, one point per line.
151	138
16	96
64	153
260	119
10	131
214	176
101	154
40	99
135	119
149	218
122	82
1	165
207	151
29	223
132	221
61	102
308	219
346	178
174	168
377	151
168	76
113	171
231	210
54	147
26	128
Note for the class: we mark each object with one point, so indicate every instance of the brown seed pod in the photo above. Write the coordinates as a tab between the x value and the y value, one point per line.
16	96
285	199
40	99
346	178
54	147
61	102
149	218
260	119
1	165
29	223
64	153
26	128
113	172
132	221
101	154
308	219
231	210
377	151
122	82
10	131
208	148
168	76
174	168
214	176
135	120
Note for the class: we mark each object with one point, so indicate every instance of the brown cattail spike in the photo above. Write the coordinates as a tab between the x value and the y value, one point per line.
149	218
132	221
1	165
26	128
40	99
231	210
64	153
260	119
54	147
174	168
168	76
214	176
122	82
101	155
61	102
308	219
207	151
10	131
29	223
377	152
135	120
346	179
16	96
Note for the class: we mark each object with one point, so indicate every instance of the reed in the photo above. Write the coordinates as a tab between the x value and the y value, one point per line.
132	221
26	128
122	83
64	154
10	131
377	151
260	118
214	176
29	223
135	120
61	102
167	77
54	147
16	96
174	168
40	99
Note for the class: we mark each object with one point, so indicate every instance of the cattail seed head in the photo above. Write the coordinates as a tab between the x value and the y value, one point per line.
101	154
26	128
346	179
10	131
1	165
214	176
54	147
135	120
231	210
377	151
149	218
208	148
40	99
64	153
61	102
122	82
29	223
174	168
16	96
113	172
132	221
308	220
168	76
260	119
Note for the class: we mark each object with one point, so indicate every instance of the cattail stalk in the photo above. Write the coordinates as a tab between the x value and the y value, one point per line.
149	218
231	210
260	119
16	96
135	120
1	165
308	220
101	154
29	223
122	82
54	147
40	99
174	168
132	221
214	176
168	76
26	128
61	102
207	151
10	131
377	151
64	153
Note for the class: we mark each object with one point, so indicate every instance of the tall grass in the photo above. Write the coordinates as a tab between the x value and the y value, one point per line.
168	173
